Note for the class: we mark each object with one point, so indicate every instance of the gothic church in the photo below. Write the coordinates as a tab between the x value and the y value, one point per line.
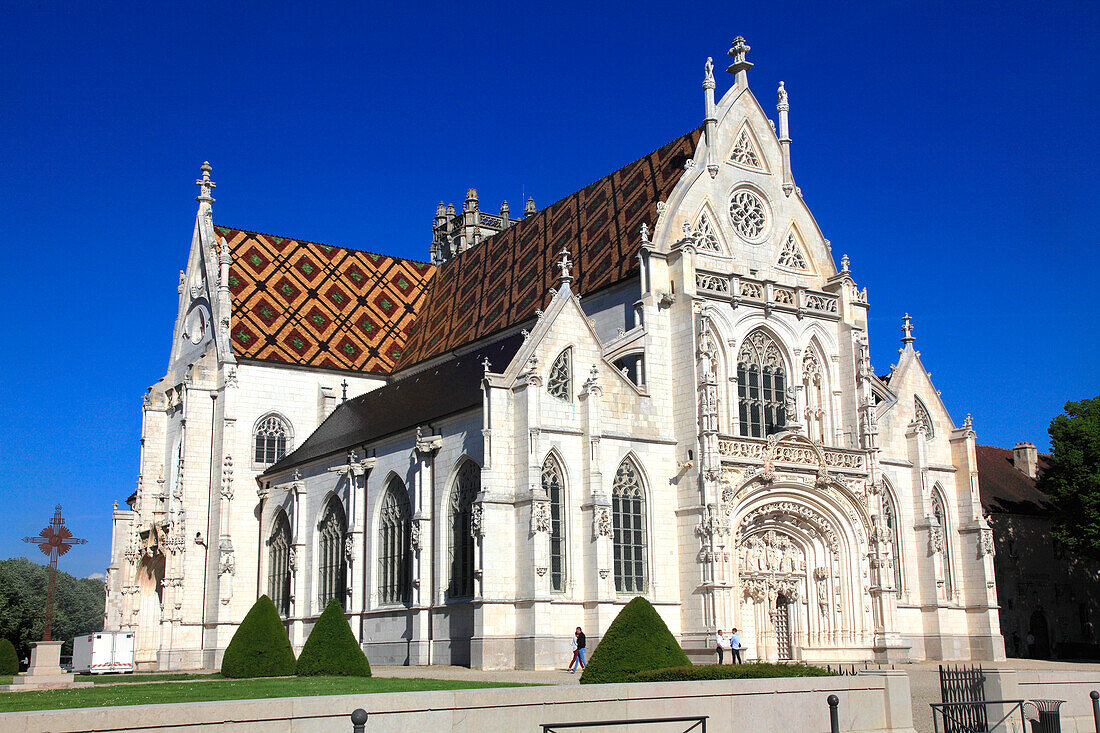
657	386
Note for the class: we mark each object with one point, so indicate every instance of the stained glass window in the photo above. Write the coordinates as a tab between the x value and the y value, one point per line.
628	523
394	553
467	485
554	487
761	386
331	568
278	572
271	438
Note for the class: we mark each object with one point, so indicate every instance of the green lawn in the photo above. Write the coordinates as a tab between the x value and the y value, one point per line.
224	689
5	680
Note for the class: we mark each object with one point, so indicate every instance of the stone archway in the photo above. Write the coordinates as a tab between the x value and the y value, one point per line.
150	582
793	543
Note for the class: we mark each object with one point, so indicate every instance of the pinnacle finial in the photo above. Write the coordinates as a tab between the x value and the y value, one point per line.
645	233
907	329
205	184
566	265
708	73
737	52
844	263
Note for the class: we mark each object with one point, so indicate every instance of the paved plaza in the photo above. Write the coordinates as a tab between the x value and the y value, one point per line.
924	680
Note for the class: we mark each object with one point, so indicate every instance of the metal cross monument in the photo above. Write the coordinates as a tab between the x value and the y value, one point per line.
55	540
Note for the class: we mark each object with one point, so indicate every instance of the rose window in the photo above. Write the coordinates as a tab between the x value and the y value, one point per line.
748	214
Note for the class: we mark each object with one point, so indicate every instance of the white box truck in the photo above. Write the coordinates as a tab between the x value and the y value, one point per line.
104	651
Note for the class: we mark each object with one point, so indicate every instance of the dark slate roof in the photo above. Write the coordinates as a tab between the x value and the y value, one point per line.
445	389
1006	489
500	282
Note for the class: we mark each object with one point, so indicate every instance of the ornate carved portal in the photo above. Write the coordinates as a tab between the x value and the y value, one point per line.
799	585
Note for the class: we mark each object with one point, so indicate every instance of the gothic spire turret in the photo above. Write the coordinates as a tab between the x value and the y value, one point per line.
907	330
205	184
711	121
782	107
740	67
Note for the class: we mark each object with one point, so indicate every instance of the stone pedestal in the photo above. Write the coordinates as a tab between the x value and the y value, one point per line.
44	672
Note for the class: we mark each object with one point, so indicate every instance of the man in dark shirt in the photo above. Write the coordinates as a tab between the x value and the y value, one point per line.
580	650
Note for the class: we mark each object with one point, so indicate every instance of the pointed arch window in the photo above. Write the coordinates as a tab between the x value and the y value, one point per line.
704	233
560	381
278	564
331	568
813	384
761	386
791	255
941	541
466	487
394	552
271	440
554	486
893	532
921	417
744	150
629	531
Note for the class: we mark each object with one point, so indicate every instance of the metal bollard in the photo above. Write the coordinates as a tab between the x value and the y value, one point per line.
1095	709
834	715
358	720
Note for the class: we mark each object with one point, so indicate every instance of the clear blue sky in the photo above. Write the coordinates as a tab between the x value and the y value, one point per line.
946	147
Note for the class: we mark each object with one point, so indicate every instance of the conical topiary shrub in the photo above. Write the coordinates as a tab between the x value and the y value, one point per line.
260	648
637	640
9	660
331	647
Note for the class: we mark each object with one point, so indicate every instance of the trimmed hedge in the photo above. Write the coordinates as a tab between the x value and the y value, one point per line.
636	641
750	671
260	647
9	660
331	647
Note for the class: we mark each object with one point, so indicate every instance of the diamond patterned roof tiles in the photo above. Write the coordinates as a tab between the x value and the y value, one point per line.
313	304
501	281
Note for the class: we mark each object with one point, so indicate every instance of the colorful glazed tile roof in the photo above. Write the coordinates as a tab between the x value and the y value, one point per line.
501	282
317	305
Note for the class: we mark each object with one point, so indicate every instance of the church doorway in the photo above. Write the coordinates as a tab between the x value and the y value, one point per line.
782	618
150	596
1041	633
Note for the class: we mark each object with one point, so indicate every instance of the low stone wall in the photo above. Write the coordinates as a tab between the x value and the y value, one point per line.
1070	685
869	703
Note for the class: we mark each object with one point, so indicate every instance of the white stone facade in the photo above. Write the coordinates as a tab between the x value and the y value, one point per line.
847	528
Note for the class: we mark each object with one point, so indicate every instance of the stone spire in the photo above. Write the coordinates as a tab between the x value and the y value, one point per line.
907	329
782	107
205	184
566	265
711	121
740	67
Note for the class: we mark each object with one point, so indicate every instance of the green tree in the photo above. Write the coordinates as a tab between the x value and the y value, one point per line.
637	640
78	605
331	647
9	661
260	647
1072	479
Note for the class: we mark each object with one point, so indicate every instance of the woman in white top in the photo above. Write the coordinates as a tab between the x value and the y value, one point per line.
719	644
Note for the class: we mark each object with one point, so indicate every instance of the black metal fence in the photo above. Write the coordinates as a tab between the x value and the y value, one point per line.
963	689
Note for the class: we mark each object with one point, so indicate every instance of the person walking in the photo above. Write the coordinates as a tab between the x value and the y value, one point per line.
578	656
719	644
735	647
573	660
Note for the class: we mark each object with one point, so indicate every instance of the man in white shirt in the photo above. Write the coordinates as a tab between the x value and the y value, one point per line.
719	644
735	647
